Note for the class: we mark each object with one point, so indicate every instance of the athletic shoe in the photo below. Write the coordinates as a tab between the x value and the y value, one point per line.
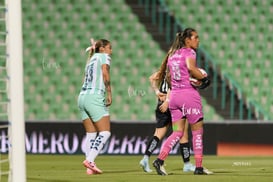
199	171
144	163
208	172
92	166
159	168
89	171
188	167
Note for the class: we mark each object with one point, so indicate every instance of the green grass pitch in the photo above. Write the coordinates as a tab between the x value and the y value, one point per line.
125	168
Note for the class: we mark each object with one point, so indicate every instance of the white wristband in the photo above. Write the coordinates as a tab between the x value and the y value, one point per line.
167	99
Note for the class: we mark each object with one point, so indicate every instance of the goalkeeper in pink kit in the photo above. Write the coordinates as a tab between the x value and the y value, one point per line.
185	100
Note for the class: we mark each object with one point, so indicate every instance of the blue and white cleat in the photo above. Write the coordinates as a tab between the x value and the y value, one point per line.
144	163
188	167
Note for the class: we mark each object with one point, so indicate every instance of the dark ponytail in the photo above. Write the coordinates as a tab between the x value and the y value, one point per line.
180	38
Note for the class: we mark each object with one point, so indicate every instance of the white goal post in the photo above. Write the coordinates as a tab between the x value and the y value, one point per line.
15	91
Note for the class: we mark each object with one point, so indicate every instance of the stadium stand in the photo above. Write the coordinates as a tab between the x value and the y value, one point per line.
55	36
236	33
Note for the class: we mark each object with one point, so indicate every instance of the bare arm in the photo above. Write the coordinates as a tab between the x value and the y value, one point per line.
107	83
165	105
168	95
154	83
194	71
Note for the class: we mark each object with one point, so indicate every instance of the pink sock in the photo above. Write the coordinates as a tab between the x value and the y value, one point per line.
197	140
169	143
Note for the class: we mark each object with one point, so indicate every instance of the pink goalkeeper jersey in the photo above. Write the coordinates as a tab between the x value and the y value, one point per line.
178	68
185	100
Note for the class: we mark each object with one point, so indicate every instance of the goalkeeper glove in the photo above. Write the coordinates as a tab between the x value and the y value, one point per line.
205	83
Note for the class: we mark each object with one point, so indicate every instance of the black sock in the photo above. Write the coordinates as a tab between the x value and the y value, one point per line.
185	151
153	143
161	162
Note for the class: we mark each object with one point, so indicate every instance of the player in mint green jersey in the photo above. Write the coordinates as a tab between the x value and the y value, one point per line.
93	101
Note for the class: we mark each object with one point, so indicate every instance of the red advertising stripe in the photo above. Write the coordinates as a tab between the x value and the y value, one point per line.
243	149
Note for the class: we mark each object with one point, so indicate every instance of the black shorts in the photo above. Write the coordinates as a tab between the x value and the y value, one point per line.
162	119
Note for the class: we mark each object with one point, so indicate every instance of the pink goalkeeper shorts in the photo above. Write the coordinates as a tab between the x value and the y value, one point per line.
186	103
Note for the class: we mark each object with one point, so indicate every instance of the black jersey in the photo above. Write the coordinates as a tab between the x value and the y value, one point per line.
163	118
164	86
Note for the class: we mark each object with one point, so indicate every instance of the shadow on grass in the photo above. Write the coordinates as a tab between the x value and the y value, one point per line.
122	171
45	180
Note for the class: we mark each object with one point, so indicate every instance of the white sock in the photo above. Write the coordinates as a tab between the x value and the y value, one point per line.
97	146
146	157
90	138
